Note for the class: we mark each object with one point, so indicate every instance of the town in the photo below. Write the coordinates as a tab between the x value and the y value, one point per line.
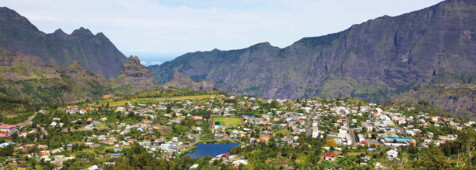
268	133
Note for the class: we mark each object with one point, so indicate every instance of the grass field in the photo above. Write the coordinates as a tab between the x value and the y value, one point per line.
228	121
116	103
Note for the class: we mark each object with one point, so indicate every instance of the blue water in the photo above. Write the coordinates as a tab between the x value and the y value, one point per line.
212	149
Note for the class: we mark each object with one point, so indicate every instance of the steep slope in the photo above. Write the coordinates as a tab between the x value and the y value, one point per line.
96	53
134	78
459	99
181	81
374	60
28	79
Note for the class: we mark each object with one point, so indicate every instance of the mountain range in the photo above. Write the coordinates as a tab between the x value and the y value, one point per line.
382	59
426	55
96	53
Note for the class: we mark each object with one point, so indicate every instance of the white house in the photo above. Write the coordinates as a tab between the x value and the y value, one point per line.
392	154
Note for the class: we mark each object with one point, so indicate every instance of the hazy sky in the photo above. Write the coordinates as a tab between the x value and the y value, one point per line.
160	30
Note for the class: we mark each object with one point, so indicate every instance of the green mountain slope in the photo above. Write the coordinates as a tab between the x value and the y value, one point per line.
28	79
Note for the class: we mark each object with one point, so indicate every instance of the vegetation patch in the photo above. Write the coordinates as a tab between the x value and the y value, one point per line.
227	121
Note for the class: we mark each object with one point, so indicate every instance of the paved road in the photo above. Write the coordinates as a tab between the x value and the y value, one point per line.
222	107
309	122
351	131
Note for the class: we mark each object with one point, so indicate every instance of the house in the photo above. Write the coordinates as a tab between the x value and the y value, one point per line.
115	155
120	109
329	156
197	117
45	153
8	128
240	162
392	154
5	135
42	147
194	166
94	167
225	156
4	144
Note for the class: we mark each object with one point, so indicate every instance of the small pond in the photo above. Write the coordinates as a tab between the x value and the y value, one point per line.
211	149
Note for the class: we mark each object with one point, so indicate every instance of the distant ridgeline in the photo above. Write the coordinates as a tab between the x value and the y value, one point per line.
428	55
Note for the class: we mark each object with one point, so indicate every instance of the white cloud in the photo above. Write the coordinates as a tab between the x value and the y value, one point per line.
180	26
155	63
143	62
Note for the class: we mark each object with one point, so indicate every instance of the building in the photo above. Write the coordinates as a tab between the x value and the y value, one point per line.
329	156
8	128
5	135
392	154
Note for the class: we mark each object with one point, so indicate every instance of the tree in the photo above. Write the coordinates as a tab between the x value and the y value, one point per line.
274	104
169	108
6	151
331	142
433	159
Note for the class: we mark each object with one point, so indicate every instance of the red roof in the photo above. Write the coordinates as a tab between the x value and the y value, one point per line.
4	134
329	155
8	126
225	155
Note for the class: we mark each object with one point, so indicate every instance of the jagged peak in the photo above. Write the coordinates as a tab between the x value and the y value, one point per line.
101	35
133	59
59	31
8	15
82	31
263	44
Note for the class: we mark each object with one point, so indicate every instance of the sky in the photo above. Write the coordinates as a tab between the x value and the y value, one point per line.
160	30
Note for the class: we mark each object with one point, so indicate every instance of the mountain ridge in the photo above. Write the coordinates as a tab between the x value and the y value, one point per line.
95	52
375	60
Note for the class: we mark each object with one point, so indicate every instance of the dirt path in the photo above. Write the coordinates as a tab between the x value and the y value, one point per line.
28	121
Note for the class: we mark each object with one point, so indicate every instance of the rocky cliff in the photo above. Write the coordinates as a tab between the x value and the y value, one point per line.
374	60
96	53
136	76
181	81
456	98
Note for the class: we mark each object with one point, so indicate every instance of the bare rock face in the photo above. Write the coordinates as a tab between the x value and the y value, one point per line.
96	53
457	98
181	81
136	75
374	61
